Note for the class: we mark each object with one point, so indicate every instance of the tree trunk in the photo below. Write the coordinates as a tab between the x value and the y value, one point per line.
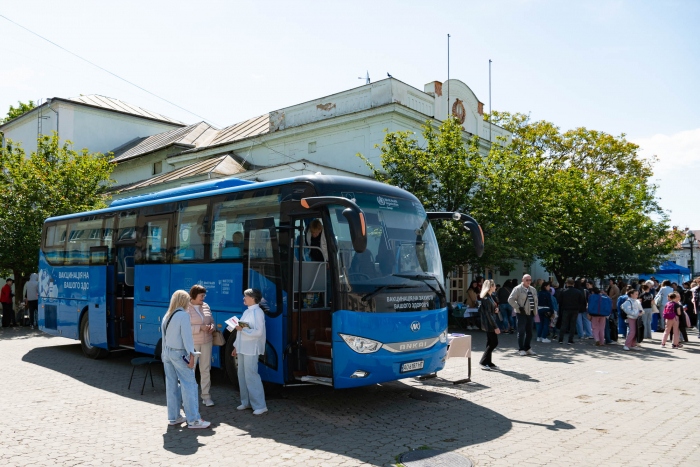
20	280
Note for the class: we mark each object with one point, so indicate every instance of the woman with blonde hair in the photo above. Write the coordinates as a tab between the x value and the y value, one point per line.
487	312
178	363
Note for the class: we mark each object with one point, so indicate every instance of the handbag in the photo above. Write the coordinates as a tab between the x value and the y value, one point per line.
218	338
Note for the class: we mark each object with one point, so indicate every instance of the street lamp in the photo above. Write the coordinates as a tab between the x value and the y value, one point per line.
688	241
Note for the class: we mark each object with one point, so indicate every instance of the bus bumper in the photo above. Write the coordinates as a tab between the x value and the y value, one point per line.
382	366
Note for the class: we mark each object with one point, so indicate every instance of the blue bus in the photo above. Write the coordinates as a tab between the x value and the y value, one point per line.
364	304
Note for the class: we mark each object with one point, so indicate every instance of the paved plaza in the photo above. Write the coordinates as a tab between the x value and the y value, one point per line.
570	406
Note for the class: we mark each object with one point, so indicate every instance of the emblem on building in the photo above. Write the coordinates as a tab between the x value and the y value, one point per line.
458	111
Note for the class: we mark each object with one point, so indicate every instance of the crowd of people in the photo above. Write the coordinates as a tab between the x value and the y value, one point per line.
629	311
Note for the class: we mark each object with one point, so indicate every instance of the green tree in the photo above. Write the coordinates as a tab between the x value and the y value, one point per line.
602	214
15	112
449	173
53	180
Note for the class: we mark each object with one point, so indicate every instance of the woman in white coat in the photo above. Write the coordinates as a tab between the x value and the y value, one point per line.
250	342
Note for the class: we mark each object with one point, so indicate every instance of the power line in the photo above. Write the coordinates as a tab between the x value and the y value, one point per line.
105	70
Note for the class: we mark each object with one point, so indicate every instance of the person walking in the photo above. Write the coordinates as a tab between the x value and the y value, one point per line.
672	314
647	300
202	328
487	315
545	311
8	313
571	302
178	363
599	308
523	299
633	310
249	345
661	301
504	307
31	300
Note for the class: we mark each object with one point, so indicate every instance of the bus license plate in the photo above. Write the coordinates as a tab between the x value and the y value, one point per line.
412	366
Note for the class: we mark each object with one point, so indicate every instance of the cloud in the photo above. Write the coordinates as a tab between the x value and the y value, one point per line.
17	78
676	173
676	151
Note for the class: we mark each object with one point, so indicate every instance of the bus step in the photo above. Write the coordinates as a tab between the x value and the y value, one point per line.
318	380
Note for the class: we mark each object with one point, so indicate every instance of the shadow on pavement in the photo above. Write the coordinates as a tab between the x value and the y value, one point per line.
555	426
371	424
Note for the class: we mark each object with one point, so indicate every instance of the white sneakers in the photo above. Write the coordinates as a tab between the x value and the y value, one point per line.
198	424
545	340
485	367
260	411
530	352
522	353
625	348
243	407
208	402
179	421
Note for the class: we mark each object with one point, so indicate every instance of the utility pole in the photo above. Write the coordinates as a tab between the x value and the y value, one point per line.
448	75
490	137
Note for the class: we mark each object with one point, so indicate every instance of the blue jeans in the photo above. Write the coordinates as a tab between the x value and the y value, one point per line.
654	322
184	393
524	331
583	326
543	325
621	325
506	312
252	392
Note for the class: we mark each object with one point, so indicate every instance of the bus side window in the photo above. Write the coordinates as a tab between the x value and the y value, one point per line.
83	233
127	226
55	242
108	236
190	230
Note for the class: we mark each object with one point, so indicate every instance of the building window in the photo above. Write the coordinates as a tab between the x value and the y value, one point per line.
312	147
157	167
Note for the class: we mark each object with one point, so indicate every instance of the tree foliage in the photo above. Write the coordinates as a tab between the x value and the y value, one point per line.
15	112
448	173
53	180
581	201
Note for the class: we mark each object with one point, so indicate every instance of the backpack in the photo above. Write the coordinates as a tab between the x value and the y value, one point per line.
670	310
599	305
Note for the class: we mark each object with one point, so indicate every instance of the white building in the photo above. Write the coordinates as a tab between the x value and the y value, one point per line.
94	122
681	255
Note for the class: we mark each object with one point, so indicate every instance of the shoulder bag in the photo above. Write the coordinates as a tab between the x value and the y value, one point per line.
218	338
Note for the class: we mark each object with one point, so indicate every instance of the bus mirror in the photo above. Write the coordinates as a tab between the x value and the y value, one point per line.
352	212
469	223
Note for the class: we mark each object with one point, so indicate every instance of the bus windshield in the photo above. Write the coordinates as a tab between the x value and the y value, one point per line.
402	255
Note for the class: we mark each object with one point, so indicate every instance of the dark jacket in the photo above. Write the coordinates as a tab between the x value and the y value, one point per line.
487	311
544	298
503	294
572	299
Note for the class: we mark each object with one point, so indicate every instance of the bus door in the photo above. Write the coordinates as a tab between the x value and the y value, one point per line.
123	319
311	322
98	303
152	280
262	271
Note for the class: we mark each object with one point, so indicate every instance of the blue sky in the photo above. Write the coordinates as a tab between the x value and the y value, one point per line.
617	66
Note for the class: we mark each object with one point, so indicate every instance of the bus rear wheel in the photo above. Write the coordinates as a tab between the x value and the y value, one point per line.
88	349
231	363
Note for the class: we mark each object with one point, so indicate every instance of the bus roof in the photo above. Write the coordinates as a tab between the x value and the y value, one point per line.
218	187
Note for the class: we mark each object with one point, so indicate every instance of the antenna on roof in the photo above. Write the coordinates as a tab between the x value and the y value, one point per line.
367	81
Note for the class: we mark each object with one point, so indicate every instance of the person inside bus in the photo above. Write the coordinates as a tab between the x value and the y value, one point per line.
234	247
178	363
249	344
317	241
202	323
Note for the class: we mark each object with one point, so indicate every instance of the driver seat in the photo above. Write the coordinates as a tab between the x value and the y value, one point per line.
363	263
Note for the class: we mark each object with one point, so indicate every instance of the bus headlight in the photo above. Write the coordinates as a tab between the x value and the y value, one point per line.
361	344
443	336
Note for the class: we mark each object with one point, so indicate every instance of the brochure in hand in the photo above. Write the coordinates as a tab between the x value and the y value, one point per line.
234	321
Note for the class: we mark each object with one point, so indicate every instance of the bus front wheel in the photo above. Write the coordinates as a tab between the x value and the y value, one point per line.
230	362
88	349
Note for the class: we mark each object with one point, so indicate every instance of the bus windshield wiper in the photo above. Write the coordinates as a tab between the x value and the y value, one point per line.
385	287
424	278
